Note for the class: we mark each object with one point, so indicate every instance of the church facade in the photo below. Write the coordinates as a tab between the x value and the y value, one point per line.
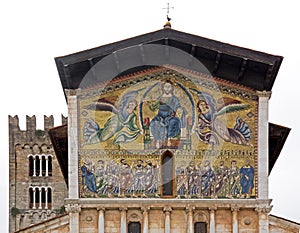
167	132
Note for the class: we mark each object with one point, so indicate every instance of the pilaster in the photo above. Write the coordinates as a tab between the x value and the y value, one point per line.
123	225
263	143
101	219
167	211
72	143
145	211
263	218
235	226
190	220
73	210
212	221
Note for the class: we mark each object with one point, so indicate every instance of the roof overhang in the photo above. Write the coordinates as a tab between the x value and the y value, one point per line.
59	138
277	137
243	66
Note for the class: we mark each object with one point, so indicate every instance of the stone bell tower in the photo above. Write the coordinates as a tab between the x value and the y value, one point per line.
36	185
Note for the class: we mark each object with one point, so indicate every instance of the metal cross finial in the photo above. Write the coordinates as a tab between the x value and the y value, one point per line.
168	8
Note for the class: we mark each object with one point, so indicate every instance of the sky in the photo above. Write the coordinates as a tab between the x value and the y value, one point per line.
34	32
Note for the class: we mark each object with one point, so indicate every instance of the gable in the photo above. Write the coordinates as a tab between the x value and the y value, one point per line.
251	68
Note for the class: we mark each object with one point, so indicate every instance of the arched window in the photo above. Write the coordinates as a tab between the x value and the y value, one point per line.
37	165
43	196
49	198
37	197
134	227
31	166
200	227
167	173
31	198
40	198
49	165
40	165
43	157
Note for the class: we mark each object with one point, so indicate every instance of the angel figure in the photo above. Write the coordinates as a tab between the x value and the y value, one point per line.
122	125
210	127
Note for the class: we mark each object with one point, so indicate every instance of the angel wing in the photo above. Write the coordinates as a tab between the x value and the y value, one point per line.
104	104
228	105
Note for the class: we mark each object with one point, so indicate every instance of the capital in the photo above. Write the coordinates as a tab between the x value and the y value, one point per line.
73	208
167	209
235	208
99	209
123	209
264	209
264	94
212	209
189	209
72	92
145	209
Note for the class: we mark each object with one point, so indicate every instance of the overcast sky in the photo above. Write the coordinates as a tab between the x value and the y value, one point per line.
33	32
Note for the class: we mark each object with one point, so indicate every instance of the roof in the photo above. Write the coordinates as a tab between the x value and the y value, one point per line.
244	66
59	138
277	137
288	225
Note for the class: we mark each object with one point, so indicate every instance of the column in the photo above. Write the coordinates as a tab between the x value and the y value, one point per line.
212	223
47	160
41	168
145	211
40	195
123	220
190	219
73	210
263	143
33	204
46	198
263	218
167	211
101	219
235	225
34	165
72	144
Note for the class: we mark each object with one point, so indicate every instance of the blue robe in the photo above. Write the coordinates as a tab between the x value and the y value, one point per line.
247	178
165	124
88	179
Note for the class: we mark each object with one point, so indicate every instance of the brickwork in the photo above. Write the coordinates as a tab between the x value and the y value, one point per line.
112	221
58	224
88	221
248	221
34	142
156	221
224	221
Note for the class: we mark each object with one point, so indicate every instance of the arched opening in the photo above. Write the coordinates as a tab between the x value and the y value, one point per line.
200	227
43	198
49	198
49	165
37	165
30	198
134	227
37	198
44	165
31	166
167	174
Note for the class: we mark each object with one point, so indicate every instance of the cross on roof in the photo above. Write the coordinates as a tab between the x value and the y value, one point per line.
168	8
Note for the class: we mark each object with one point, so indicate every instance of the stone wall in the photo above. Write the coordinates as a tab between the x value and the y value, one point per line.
58	224
34	142
174	215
